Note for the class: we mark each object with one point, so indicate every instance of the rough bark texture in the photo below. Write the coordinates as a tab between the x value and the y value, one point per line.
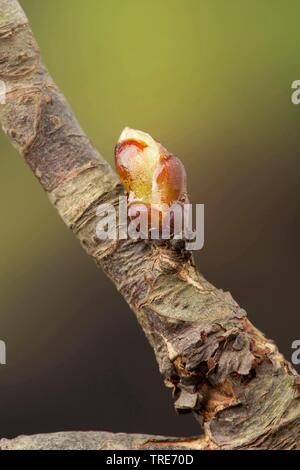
96	440
220	367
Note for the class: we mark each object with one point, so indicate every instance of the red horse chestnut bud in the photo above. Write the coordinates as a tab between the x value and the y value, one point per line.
153	178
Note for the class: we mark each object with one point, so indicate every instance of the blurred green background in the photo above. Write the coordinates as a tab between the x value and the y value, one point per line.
211	81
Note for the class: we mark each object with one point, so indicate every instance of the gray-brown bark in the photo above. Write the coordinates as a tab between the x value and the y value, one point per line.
219	366
96	440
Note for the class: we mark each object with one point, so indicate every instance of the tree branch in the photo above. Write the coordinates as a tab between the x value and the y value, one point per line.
220	367
97	440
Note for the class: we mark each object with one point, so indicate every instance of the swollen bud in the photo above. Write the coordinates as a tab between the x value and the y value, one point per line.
153	178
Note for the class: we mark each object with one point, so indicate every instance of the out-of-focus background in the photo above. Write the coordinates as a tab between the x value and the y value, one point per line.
212	82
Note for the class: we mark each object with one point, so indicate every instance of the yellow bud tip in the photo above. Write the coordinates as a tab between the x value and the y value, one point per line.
140	136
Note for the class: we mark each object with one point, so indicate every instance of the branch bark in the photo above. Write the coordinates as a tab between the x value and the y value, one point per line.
97	440
219	366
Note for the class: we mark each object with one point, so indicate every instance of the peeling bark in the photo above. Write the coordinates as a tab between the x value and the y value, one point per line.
219	366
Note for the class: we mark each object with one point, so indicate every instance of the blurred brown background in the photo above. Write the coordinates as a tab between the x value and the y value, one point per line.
211	81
